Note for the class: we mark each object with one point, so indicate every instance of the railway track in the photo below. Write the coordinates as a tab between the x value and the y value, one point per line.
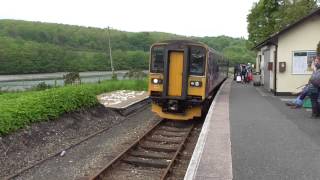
150	157
139	107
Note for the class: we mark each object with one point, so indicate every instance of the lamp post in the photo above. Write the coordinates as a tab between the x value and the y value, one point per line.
110	53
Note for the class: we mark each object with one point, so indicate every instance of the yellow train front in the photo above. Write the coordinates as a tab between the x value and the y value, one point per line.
183	77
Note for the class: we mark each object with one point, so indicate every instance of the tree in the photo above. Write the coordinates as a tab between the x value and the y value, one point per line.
34	47
262	20
270	16
72	78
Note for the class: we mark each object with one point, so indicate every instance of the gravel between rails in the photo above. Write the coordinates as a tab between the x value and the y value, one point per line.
88	157
180	167
40	140
152	155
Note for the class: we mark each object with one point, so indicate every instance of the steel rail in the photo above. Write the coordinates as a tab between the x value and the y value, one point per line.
111	163
68	147
100	174
166	172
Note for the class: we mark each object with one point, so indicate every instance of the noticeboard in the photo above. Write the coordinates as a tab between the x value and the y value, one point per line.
302	62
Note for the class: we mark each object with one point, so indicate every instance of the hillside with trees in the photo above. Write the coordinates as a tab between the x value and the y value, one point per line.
35	47
268	17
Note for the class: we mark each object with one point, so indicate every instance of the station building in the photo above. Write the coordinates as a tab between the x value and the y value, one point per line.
285	58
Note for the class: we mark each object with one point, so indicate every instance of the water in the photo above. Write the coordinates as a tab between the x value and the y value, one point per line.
27	81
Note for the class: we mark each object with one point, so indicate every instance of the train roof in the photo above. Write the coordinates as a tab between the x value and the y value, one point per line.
182	41
186	41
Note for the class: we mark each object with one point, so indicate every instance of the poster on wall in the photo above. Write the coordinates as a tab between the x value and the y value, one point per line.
302	62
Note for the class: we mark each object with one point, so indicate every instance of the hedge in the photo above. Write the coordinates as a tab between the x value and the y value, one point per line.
20	109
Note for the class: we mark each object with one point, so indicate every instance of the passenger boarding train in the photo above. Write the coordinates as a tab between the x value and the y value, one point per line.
183	77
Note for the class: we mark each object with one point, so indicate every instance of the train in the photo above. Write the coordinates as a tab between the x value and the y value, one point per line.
183	76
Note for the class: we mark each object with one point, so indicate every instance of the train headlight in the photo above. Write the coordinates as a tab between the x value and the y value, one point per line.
195	83
156	81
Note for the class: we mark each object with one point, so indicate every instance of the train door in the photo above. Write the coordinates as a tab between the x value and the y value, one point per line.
175	73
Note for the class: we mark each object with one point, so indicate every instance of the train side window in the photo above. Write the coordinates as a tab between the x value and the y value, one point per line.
197	61
210	63
157	59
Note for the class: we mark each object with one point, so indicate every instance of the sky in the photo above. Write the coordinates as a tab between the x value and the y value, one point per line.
183	17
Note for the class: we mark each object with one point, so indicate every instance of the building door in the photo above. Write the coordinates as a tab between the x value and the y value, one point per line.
266	72
175	73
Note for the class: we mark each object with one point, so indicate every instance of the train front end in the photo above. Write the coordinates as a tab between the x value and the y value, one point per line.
177	79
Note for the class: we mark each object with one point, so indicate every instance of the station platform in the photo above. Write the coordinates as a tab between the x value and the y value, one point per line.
251	134
122	98
124	101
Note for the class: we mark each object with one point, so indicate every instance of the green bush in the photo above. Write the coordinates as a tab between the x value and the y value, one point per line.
20	109
41	86
71	78
135	74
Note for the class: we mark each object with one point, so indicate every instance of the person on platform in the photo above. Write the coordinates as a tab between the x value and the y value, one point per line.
236	71
243	73
313	90
298	102
249	72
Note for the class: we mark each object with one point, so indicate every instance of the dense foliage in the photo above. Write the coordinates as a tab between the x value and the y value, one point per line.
235	49
71	78
20	56
34	47
270	16
20	109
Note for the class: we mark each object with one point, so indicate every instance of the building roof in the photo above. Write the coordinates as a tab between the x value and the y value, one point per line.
271	39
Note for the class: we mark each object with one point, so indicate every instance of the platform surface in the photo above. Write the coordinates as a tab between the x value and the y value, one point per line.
211	158
268	140
121	99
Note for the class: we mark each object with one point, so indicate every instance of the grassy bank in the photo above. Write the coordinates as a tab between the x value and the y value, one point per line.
20	109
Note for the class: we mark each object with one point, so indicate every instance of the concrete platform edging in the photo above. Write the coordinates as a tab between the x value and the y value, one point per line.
212	158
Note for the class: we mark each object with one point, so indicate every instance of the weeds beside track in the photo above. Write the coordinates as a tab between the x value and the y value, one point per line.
17	110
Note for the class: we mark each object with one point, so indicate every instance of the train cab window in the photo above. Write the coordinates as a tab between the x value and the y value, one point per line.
197	61
157	58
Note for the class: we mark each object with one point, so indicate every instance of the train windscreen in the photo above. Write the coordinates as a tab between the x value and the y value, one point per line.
197	61
157	59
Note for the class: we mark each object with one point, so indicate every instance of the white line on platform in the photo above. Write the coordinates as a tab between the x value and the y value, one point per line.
198	150
193	171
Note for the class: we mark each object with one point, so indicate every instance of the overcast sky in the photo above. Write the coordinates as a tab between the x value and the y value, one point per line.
184	17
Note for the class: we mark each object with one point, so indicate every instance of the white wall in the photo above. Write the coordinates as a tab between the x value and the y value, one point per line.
272	53
264	66
302	37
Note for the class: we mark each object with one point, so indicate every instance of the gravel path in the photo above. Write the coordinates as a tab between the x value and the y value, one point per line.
92	155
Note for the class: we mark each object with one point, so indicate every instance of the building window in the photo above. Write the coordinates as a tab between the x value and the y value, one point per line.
302	62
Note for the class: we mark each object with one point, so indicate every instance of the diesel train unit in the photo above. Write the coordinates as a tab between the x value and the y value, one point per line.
183	77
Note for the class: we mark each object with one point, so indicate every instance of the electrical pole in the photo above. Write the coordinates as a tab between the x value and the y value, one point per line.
110	53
